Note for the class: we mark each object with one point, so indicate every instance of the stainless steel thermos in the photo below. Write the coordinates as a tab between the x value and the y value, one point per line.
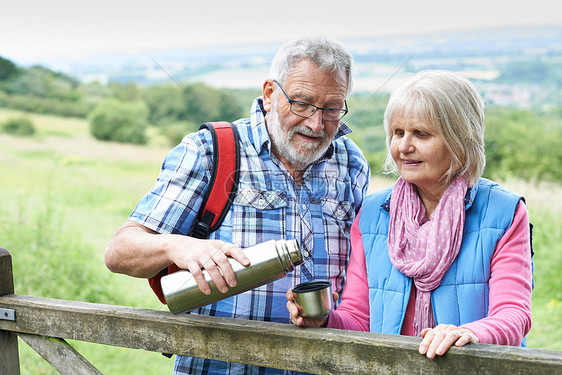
269	261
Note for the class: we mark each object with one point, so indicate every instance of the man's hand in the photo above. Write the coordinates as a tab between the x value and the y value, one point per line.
196	255
138	251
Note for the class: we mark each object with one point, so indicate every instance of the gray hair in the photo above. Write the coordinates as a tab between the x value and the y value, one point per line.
329	55
453	105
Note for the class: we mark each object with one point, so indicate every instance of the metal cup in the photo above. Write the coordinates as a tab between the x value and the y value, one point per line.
315	298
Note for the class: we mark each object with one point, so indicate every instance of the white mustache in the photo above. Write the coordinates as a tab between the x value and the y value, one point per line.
306	131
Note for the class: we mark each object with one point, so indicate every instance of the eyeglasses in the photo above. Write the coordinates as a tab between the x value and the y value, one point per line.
306	110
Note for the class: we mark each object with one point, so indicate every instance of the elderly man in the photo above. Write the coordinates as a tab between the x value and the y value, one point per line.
295	156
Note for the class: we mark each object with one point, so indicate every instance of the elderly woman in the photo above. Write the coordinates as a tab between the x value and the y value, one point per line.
443	254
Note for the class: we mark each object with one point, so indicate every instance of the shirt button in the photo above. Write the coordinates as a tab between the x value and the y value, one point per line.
306	253
261	201
304	207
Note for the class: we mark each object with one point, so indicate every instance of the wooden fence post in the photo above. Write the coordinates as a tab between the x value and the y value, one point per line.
9	357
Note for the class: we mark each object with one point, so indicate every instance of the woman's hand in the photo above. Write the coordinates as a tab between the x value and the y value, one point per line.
436	341
295	312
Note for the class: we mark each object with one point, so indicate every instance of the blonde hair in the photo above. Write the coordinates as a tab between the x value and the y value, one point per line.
453	105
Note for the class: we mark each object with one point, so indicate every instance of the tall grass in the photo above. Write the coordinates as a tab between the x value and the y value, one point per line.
61	199
63	194
547	295
545	212
51	259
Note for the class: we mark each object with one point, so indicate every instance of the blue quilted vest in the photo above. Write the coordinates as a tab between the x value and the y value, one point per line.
462	296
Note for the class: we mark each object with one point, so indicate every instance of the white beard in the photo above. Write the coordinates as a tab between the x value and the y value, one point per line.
299	158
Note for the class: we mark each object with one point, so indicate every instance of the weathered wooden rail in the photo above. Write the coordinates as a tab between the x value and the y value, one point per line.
44	323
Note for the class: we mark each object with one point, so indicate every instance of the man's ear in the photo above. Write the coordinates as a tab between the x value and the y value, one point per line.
267	94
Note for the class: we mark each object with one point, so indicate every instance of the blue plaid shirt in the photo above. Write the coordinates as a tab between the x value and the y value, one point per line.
268	205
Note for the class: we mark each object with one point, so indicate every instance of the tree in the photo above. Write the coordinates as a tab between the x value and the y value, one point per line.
125	91
228	108
42	82
113	120
7	69
523	144
20	126
165	103
195	103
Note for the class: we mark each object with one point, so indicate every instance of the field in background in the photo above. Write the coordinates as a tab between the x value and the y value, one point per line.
63	194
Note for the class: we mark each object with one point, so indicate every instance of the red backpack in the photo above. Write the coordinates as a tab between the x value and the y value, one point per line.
219	194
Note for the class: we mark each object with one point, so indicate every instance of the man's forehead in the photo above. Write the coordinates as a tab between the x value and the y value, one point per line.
307	83
309	67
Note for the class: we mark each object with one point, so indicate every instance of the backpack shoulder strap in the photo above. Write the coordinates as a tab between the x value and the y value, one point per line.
220	191
224	179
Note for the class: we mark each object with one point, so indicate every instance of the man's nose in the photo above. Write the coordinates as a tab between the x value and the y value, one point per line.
314	122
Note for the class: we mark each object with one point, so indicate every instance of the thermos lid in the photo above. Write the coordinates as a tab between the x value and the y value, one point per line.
294	252
289	254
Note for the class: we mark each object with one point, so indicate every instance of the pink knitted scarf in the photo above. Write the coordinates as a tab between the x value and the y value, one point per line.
425	249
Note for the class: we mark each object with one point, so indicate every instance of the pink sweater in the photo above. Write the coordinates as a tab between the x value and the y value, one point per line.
509	311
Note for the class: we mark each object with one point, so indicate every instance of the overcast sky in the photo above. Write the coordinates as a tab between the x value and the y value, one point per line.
31	29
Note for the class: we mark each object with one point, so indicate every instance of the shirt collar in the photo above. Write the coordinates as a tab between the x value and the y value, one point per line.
470	195
260	134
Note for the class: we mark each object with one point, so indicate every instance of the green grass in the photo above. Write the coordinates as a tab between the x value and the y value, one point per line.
48	125
545	213
547	295
63	194
61	199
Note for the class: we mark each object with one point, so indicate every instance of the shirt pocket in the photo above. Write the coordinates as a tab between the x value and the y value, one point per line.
258	216
339	210
338	217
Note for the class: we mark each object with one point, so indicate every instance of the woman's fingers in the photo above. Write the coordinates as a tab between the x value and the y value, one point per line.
335	297
295	312
294	309
436	341
466	338
445	340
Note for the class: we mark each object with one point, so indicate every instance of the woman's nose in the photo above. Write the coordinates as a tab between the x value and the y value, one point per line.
406	145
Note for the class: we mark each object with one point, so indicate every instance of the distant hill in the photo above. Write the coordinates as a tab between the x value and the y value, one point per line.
457	49
519	66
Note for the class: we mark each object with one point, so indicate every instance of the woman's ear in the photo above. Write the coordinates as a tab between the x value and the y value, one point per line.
267	95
